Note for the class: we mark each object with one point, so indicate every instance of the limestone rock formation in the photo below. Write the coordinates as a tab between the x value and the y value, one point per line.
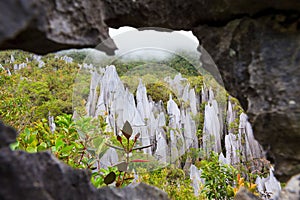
146	116
290	192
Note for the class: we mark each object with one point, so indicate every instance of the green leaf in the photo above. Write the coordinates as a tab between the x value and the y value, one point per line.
34	133
42	147
82	135
110	178
115	147
97	181
67	149
92	151
43	144
53	149
122	166
91	161
66	130
127	130
102	153
31	149
27	131
31	139
99	143
59	143
14	146
78	145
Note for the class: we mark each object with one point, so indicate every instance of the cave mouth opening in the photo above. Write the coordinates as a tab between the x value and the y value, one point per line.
202	104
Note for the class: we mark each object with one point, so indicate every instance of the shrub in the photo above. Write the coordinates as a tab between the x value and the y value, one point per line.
171	180
219	178
29	94
160	91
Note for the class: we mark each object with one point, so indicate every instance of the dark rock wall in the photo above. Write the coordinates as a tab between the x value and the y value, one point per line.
182	14
254	43
43	26
259	62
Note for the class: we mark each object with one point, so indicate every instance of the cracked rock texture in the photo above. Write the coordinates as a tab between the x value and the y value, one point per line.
259	60
182	14
43	26
254	43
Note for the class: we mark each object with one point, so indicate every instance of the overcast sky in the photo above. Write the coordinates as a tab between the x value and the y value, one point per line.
113	32
150	43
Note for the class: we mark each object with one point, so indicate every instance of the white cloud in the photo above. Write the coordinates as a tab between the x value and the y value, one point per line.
152	43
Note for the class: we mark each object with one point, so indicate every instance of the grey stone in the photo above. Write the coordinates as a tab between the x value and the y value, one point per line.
41	176
263	74
43	26
139	191
181	14
211	128
197	181
292	189
7	135
244	194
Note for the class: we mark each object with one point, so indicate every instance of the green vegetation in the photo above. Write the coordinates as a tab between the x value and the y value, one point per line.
196	82
29	95
128	146
78	143
173	181
185	63
160	91
219	178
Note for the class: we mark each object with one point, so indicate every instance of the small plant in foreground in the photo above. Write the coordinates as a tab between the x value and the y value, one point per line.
127	146
79	144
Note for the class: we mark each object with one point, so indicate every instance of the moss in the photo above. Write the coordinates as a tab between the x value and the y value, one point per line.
234	126
160	91
196	82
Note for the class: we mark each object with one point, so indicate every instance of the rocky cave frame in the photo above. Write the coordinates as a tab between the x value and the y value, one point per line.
255	44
